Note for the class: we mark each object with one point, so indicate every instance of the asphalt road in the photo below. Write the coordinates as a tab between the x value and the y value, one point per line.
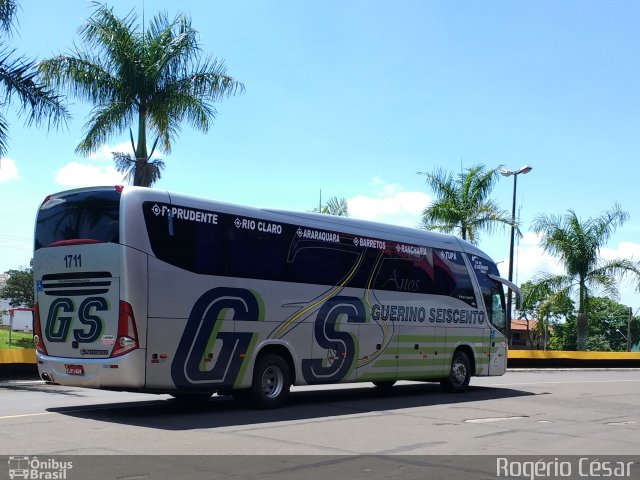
550	413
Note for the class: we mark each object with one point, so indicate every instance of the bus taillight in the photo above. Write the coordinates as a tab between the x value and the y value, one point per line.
37	331
127	339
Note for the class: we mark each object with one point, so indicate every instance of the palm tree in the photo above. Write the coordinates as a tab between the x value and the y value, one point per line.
462	204
334	206
576	244
157	77
18	79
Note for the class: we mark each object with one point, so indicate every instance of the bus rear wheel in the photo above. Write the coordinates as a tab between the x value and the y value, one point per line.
271	382
459	374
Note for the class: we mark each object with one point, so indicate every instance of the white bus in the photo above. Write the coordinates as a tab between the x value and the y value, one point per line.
144	290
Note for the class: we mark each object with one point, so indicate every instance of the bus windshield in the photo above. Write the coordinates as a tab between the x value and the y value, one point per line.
492	292
78	217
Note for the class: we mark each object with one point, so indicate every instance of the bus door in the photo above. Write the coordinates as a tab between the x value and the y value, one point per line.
377	350
494	299
420	349
497	346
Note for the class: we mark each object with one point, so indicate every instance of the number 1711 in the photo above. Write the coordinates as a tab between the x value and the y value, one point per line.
73	261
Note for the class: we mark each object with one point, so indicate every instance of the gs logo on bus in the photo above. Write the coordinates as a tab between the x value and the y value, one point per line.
341	344
58	324
201	332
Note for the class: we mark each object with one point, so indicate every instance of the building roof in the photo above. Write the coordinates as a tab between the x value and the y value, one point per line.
522	324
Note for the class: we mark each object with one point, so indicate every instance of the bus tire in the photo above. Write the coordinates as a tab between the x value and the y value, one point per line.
271	382
459	374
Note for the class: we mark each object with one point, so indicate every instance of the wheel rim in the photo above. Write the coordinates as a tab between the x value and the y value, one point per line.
458	373
272	381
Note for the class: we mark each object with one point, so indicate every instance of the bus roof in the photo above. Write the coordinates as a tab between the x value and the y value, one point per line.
387	231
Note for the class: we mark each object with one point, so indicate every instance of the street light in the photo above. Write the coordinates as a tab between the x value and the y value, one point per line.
515	173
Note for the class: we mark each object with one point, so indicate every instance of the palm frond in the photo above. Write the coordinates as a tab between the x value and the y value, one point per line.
113	38
81	75
461	202
103	121
601	282
619	268
8	10
149	172
4	135
18	77
125	163
558	284
602	227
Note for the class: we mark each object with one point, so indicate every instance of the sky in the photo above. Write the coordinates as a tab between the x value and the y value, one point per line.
354	98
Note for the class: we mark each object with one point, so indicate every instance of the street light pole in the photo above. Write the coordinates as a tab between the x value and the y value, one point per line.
507	173
628	337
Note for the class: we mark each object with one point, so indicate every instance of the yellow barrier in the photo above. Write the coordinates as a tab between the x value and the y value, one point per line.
28	355
17	355
556	355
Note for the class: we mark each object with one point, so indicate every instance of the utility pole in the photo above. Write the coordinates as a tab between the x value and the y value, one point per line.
629	329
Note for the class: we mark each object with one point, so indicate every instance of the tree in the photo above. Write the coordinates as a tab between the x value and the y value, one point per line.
18	79
545	306
19	287
462	203
334	206
576	244
158	78
609	319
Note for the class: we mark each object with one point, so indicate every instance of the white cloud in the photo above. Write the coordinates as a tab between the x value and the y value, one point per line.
628	250
98	171
77	174
391	204
8	170
106	152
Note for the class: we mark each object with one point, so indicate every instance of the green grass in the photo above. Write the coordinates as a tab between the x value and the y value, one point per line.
18	339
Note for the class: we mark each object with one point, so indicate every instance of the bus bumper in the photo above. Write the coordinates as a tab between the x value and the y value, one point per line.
125	372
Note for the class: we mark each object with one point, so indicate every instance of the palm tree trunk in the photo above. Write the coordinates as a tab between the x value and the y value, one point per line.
582	319
141	151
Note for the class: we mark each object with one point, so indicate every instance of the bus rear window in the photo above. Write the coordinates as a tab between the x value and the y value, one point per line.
78	217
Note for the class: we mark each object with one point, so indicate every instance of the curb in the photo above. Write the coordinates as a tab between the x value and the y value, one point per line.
18	355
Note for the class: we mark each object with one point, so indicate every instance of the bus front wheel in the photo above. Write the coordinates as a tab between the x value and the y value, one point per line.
271	381
459	375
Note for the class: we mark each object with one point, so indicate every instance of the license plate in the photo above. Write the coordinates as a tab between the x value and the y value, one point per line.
75	370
